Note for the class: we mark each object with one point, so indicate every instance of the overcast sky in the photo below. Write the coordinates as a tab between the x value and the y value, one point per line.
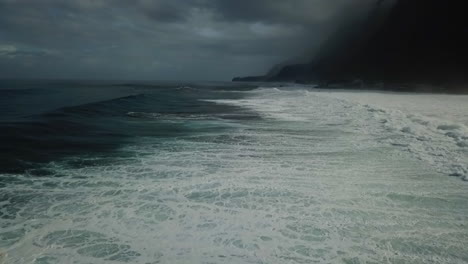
161	39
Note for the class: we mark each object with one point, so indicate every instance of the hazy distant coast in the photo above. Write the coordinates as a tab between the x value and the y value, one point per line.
416	42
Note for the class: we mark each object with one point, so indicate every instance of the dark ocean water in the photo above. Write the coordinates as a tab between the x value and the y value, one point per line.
44	121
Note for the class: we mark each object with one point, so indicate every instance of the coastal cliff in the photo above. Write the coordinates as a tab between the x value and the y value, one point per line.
417	41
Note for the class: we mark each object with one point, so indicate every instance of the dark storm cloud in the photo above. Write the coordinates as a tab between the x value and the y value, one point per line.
279	11
166	11
160	39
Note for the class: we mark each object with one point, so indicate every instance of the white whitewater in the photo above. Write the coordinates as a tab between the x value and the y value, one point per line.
324	177
434	127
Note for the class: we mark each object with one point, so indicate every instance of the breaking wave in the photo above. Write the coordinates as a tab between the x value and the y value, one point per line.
442	143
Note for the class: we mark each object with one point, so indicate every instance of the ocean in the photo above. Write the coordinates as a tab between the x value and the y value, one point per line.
180	172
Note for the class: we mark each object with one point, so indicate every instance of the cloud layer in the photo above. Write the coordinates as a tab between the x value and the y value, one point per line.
161	39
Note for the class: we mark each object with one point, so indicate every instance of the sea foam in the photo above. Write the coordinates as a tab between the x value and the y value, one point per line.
320	178
434	128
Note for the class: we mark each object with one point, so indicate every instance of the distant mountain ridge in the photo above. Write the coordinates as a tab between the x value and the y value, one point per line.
418	41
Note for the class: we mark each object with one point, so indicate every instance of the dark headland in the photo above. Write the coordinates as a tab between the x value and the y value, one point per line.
422	42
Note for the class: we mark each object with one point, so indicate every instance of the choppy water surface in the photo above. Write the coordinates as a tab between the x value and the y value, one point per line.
221	174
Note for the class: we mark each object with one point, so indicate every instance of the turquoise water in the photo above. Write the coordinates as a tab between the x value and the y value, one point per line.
216	173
